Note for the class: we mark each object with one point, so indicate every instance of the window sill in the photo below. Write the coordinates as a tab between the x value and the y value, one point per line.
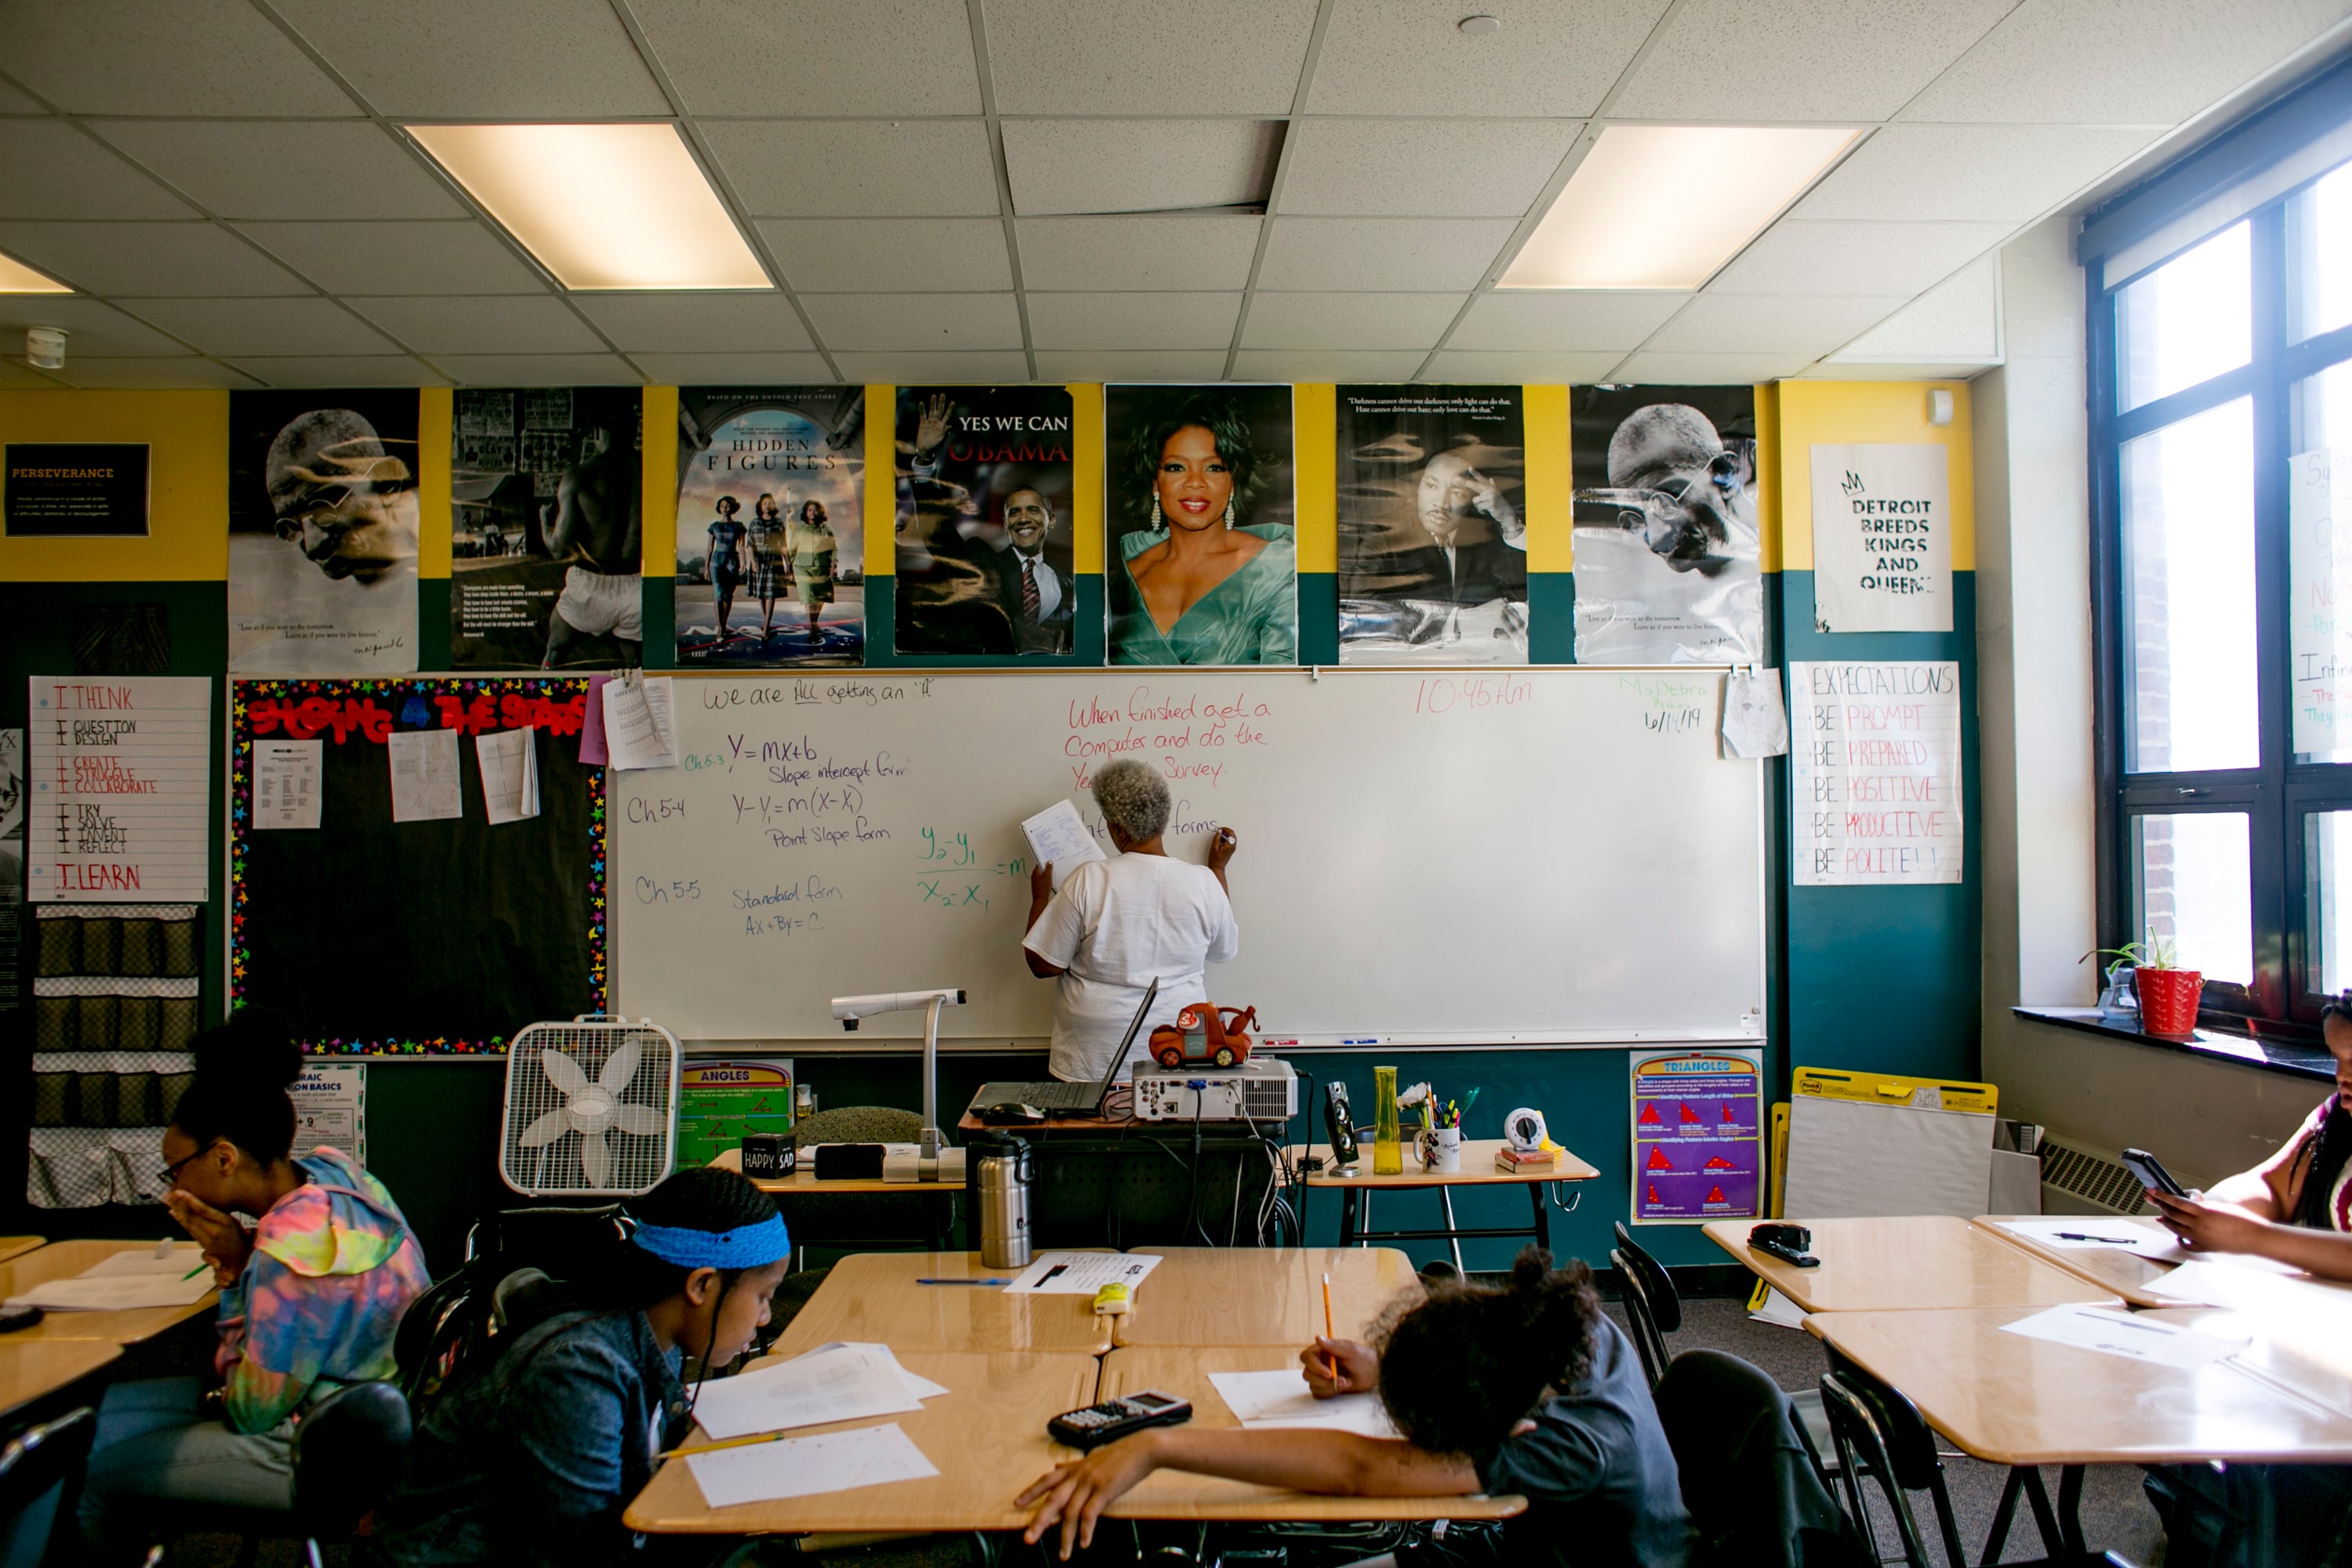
2296	1060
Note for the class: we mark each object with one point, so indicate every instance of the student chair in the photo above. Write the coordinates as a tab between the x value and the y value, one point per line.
38	1467
458	1314
347	1455
1755	1487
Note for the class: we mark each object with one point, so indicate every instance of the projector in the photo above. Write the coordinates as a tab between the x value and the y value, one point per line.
1262	1088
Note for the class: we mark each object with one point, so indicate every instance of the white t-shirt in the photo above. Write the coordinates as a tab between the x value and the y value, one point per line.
1115	927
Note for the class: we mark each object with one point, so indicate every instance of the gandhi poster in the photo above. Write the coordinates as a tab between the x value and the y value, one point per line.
771	526
1668	552
323	523
981	469
1432	533
546	542
1882	537
1202	558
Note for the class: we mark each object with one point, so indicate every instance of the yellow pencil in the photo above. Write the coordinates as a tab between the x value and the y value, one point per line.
714	1448
1330	1361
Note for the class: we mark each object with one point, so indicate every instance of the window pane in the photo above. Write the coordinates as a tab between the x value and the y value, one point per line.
2187	321
2319	481
2319	238
2328	900
2188	553
2193	888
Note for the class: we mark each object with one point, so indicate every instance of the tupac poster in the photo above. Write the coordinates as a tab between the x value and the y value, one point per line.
972	463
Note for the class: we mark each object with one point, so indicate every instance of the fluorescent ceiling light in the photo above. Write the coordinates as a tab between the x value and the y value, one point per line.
1662	206
601	206
15	277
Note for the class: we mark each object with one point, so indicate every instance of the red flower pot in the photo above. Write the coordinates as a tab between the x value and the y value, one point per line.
2168	1000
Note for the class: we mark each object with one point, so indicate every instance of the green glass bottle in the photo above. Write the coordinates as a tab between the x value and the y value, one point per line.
1388	1153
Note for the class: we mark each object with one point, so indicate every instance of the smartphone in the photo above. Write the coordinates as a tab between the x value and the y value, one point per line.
1115	1418
2152	1174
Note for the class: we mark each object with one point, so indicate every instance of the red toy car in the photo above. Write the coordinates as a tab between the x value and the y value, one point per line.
1204	1032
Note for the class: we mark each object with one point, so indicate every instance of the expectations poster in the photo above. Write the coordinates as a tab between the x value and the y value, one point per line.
1201	561
1698	1136
545	502
1433	529
323	523
968	458
1668	553
771	526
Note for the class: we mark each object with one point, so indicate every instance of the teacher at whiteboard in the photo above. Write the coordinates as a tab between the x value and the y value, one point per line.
1118	925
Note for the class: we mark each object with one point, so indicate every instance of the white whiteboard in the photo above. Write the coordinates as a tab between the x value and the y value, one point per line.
1542	856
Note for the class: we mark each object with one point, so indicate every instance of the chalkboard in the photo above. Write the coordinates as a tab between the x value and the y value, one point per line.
418	937
1538	856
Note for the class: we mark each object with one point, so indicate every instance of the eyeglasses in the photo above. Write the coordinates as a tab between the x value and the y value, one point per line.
171	1177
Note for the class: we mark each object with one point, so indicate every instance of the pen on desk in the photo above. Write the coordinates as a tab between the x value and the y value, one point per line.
1331	1360
963	1281
191	1273
2109	1241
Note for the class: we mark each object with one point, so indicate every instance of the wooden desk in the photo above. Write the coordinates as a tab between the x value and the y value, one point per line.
1917	1262
1358	1184
17	1246
1174	1494
63	1260
1262	1294
871	1298
38	1369
986	1435
2127	1274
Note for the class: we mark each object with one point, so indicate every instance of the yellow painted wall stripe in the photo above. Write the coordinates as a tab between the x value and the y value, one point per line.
1315	470
1088	464
1819	413
187	485
1767	465
881	482
436	518
658	494
1552	486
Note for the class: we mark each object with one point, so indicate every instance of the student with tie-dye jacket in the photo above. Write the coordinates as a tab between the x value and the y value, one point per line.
310	1297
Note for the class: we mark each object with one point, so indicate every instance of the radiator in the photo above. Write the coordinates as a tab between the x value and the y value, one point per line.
2078	1178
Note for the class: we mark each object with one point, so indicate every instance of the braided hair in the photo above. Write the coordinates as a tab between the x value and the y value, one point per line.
2323	1155
1461	1368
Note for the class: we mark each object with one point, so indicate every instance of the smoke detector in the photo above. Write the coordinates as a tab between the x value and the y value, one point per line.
1478	27
44	348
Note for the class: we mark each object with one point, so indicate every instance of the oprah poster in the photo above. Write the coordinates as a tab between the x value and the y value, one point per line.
1203	563
983	520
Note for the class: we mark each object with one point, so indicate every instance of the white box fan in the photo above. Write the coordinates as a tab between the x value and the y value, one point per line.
591	1110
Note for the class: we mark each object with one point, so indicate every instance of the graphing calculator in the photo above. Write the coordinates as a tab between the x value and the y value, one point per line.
1116	1418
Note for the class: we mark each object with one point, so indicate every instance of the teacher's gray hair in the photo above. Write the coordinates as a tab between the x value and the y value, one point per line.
1133	799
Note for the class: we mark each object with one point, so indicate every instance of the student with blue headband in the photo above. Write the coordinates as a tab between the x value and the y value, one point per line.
532	1459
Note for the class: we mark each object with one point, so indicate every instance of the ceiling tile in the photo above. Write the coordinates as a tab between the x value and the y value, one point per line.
1721	61
1889	258
816	57
505	324
2005	172
1382	252
844	255
1893	369
538	370
1521	369
1326	365
1424	168
1156	252
12	101
518	59
1407	57
90	327
857	168
924	321
1133	364
148	258
1144	57
2120	62
1564	319
260	168
453	256
1138	165
17	376
238	327
1349	320
696	323
163	56
732	370
1706	369
1770	323
48	169
342	369
152	374
1132	321
950	369
1958	319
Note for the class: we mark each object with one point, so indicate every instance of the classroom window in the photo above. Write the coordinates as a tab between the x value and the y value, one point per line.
2187	321
2192	877
2327	898
2319	240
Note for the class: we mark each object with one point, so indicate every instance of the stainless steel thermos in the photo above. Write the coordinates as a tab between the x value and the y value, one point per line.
1001	1177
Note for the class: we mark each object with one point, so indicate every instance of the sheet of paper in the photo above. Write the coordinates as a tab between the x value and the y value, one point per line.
2081	1233
634	736
2122	1334
1280	1398
2249	1284
143	1264
803	1466
592	727
658	697
919	1386
1082	1273
425	781
1058	838
847	1383
123	1293
286	783
509	760
119	802
1755	721
1779	1310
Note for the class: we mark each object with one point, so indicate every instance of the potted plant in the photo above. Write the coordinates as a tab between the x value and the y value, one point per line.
2168	995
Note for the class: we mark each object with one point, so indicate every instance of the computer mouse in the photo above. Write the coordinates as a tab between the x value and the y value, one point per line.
1011	1113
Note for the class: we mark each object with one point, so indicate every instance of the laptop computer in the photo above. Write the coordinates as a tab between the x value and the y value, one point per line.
1066	1102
